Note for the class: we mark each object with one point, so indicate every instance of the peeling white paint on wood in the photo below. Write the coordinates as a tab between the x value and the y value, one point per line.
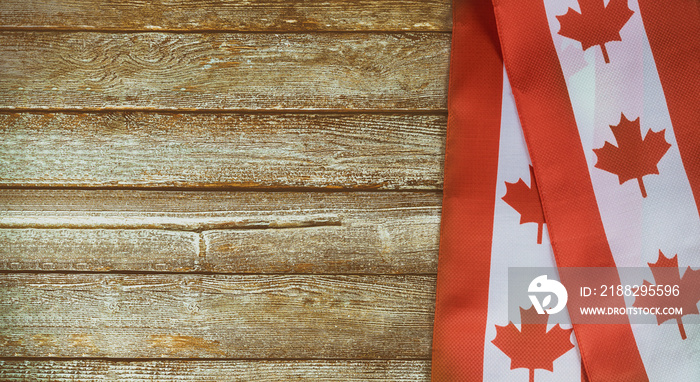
222	150
238	371
216	316
252	15
243	232
258	71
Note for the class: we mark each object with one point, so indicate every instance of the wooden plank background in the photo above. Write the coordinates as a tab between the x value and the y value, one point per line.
220	190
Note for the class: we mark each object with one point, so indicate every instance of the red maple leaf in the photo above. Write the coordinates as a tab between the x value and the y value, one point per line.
665	273
533	347
596	24
633	157
526	201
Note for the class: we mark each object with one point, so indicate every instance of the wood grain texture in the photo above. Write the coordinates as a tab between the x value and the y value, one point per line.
191	371
98	250
365	151
196	316
231	71
230	15
252	106
243	232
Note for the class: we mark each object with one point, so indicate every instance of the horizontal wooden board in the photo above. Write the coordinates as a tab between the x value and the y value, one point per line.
199	316
230	15
237	232
243	371
123	149
98	250
231	71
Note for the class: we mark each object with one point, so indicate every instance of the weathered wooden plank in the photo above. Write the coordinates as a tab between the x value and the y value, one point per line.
196	316
244	371
98	250
255	15
222	150
244	232
390	245
254	71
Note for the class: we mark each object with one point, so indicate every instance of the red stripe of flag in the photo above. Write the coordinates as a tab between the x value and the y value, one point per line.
608	351
469	194
673	31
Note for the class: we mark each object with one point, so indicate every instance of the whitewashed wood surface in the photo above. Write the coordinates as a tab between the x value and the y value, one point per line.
220	190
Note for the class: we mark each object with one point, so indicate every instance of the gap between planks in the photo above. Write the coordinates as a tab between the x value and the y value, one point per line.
213	360
209	273
200	229
216	188
214	31
271	112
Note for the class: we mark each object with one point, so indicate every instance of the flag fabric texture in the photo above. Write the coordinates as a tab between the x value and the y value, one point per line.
573	140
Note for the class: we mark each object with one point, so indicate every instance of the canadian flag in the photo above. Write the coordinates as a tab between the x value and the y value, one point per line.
573	141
